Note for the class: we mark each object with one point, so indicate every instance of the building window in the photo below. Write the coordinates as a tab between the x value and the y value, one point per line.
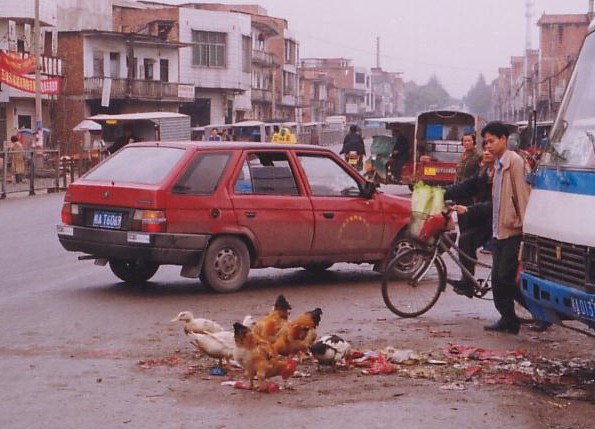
360	78
164	70
209	48
288	83
246	54
98	64
290	51
114	64
148	65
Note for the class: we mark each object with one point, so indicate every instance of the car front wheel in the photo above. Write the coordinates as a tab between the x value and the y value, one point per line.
226	264
133	271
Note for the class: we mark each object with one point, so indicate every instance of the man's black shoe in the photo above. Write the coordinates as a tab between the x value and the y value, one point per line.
502	326
539	326
461	287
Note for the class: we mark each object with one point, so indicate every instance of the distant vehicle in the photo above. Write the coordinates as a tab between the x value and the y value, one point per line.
218	210
146	126
247	131
336	123
378	166
437	148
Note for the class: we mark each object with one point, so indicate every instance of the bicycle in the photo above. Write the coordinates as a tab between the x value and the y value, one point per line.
416	276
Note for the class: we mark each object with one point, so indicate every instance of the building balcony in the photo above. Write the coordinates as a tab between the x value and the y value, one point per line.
262	95
263	58
140	89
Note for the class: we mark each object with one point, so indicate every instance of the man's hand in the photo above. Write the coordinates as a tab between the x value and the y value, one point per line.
461	210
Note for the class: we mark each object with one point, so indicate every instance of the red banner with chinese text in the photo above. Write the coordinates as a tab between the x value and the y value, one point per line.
14	63
48	86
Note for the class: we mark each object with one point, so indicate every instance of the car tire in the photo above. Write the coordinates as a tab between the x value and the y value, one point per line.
133	271
317	267
226	265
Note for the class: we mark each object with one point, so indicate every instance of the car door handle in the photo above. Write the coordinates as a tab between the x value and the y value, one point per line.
328	215
250	214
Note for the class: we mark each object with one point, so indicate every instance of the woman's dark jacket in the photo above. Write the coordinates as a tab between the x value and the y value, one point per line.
479	189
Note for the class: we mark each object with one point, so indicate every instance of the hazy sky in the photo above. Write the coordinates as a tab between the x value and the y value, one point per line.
454	39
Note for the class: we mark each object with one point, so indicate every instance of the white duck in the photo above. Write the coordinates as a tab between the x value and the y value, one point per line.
331	350
197	325
219	345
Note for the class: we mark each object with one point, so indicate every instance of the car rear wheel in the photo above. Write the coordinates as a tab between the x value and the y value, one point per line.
226	264
133	271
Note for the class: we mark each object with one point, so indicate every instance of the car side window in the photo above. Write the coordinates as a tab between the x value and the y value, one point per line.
203	175
327	178
266	173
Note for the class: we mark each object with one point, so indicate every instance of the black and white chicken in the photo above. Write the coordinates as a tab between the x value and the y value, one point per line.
331	350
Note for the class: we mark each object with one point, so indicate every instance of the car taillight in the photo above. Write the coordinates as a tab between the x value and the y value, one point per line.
70	214
149	221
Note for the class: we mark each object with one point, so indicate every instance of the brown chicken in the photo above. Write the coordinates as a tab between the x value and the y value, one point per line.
268	327
298	335
257	359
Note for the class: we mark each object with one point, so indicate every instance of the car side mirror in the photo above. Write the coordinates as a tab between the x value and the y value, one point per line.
369	189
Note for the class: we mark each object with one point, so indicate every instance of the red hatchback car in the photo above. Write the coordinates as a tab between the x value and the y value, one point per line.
219	209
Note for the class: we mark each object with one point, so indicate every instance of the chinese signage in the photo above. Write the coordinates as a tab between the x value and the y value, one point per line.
24	83
13	69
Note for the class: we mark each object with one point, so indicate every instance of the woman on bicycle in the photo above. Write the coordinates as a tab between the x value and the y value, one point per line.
476	218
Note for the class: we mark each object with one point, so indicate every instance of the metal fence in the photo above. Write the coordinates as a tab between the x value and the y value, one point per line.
40	170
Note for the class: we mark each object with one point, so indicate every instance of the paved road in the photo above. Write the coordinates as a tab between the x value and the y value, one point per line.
74	335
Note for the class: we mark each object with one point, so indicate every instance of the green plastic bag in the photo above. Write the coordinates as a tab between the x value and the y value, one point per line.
426	200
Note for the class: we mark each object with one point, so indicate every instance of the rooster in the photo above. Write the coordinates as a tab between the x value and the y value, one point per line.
297	335
257	359
197	325
269	326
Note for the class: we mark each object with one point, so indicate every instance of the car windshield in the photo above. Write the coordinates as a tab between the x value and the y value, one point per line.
572	139
141	164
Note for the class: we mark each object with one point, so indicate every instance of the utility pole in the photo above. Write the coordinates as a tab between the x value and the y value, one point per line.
38	140
36	51
529	17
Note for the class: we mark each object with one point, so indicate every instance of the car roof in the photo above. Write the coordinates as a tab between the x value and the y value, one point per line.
233	145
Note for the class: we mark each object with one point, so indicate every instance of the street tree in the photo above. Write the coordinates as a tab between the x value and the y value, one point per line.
479	98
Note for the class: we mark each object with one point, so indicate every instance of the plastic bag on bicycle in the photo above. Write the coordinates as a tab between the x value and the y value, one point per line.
432	228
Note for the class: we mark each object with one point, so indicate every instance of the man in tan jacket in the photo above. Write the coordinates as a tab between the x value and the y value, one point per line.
510	193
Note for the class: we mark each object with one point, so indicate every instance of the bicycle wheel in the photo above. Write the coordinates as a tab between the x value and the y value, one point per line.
413	294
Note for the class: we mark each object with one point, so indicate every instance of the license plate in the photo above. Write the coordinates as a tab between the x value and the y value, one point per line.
106	219
583	308
429	171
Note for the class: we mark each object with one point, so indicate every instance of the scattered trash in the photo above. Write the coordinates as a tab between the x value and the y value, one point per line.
218	371
453	386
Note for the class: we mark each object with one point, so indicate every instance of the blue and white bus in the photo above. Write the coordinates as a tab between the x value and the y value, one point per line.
558	251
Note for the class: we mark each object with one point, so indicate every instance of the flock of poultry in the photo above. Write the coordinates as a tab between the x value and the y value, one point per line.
267	347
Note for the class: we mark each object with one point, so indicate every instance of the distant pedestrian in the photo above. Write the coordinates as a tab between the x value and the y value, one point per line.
17	158
468	166
214	135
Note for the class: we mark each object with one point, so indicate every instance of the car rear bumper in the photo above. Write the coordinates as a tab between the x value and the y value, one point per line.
162	248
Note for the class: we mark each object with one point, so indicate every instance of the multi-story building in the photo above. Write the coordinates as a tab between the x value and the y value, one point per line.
216	57
275	59
315	100
17	82
560	38
352	95
388	94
